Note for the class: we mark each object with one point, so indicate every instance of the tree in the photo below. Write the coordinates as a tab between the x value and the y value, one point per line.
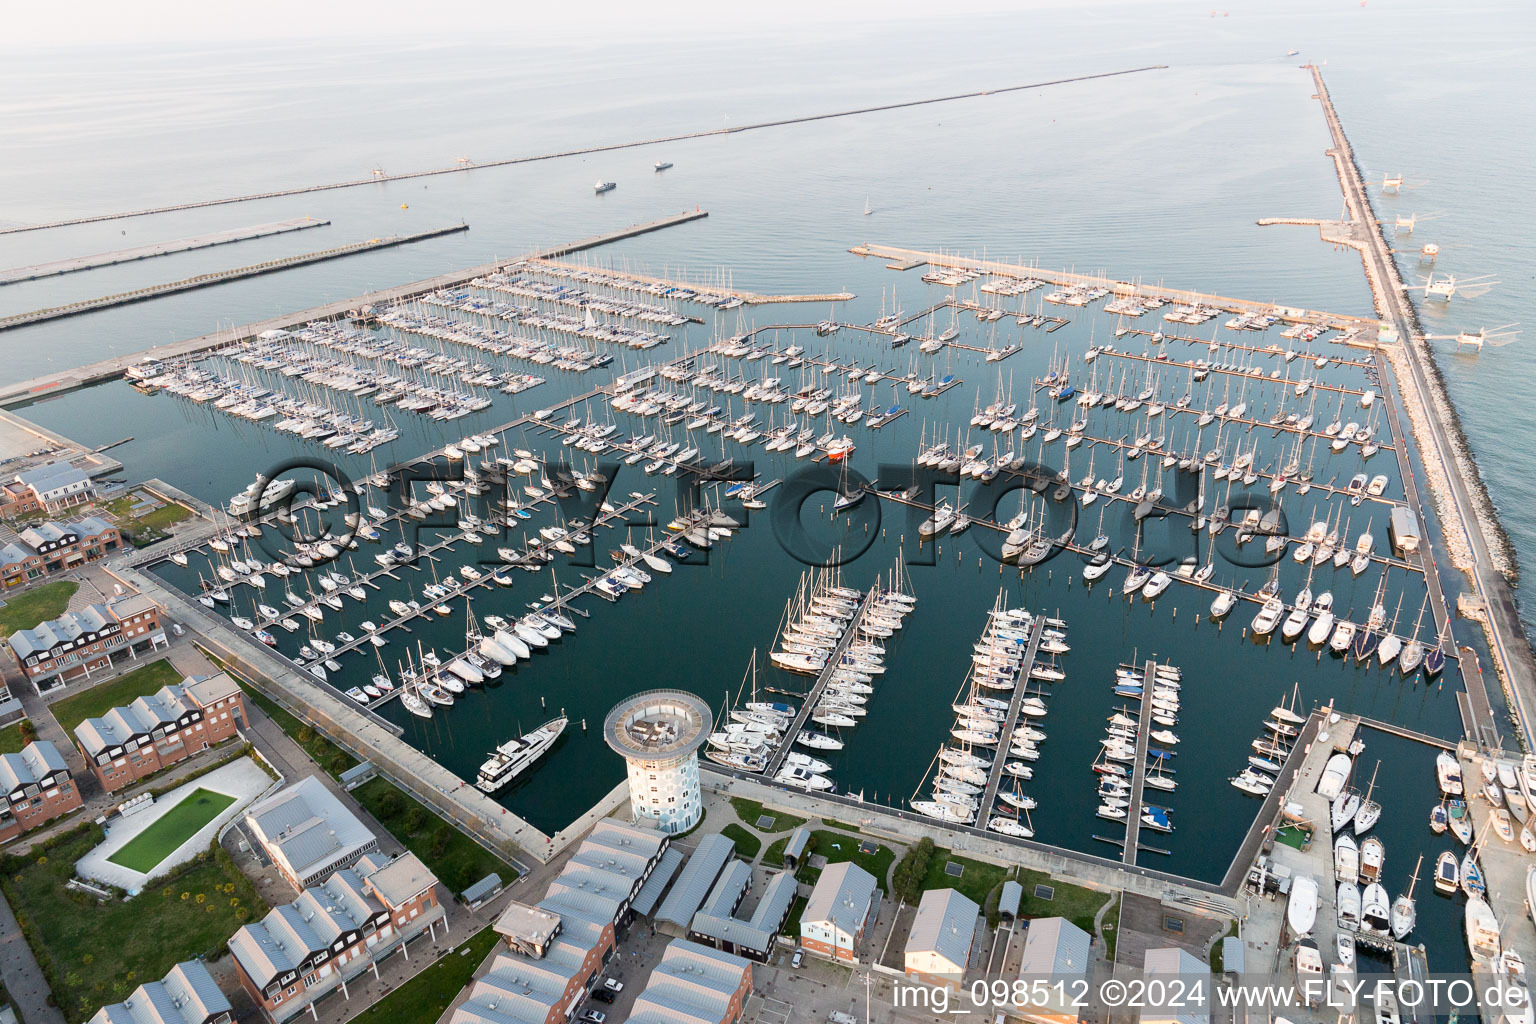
440	840
389	804
415	819
907	881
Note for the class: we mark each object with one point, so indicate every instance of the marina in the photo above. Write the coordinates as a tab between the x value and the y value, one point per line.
1148	589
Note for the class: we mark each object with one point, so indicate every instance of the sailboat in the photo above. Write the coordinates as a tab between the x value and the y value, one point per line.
1370	811
1405	912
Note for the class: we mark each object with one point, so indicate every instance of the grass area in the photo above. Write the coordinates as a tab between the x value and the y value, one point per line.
149	526
11	739
23	611
1111	929
751	810
325	753
774	855
457	860
87	948
837	848
978	879
747	844
1073	902
792	922
1294	836
1216	959
171	829
98	700
426	996
841	826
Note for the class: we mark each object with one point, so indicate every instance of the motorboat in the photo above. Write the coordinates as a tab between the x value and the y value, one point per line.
1375	910
1301	909
1482	931
1348	906
1346	859
512	758
1447	874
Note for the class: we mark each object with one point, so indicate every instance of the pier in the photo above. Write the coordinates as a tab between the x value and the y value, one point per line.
111	369
623	279
464	166
1456	478
144	252
155	291
1120	289
1011	722
813	696
1139	767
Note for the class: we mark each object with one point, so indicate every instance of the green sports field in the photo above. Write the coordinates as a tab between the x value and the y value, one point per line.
147	849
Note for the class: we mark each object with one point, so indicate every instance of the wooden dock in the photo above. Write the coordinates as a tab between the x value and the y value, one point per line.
144	252
813	696
1010	723
1139	767
156	291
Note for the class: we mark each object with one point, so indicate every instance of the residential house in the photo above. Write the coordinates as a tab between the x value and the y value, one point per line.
304	950
938	949
134	741
308	832
37	788
841	908
79	643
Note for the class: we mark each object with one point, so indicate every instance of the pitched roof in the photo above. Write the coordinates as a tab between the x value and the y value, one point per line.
945	924
650	893
37	760
759	931
52	476
798	839
697	878
401	880
692	984
1056	946
186	995
728	889
306	826
842	896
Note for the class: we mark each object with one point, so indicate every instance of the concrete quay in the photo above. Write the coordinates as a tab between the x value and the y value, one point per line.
351	727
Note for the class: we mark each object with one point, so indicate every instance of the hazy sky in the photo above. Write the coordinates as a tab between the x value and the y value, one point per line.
108	22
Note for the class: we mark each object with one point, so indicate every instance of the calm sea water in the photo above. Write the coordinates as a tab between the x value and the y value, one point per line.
1159	176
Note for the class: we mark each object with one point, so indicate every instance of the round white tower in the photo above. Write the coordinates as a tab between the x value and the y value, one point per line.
659	733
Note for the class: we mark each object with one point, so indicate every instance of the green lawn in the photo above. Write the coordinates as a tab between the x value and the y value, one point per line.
171	829
325	753
151	523
774	855
25	610
842	826
750	810
747	844
1073	902
1111	929
98	700
792	922
837	848
11	739
95	953
424	998
976	881
457	860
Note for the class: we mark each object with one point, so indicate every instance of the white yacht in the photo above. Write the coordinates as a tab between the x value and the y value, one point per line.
514	757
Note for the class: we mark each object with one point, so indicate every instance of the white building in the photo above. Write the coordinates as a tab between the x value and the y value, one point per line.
659	733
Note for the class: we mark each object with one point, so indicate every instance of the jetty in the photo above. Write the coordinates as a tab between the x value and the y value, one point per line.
1010	723
156	291
813	696
145	252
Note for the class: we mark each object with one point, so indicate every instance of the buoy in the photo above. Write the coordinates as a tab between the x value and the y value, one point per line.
403	206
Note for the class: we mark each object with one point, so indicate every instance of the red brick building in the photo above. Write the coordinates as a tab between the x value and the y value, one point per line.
54	547
128	743
335	931
78	643
37	788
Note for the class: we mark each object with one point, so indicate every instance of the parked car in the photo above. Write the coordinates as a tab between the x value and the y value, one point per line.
796	960
594	1016
602	995
613	985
